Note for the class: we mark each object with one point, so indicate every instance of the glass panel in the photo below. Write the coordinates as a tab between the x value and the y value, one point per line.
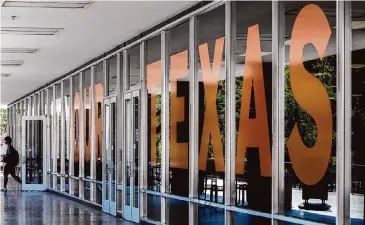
112	78
107	143
87	190
253	105
135	150
153	74
58	130
134	72
99	193
99	95
76	187
113	145
66	99
75	124
210	215
244	218
87	122
211	104
128	138
154	207
357	203
179	110
310	110
34	152
178	212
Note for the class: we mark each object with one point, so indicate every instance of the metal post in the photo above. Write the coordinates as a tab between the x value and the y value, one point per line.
230	114
48	142
278	121
54	137
194	121
124	87
81	137
119	131
92	136
71	134
144	126
63	134
343	112
165	121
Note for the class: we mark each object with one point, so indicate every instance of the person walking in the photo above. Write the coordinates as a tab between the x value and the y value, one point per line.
11	158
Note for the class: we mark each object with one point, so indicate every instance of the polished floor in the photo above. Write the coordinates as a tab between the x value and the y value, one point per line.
38	208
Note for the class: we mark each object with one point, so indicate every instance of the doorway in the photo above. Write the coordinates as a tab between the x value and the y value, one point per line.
131	159
109	156
33	161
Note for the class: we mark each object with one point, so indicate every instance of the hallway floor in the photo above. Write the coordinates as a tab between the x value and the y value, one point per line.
38	208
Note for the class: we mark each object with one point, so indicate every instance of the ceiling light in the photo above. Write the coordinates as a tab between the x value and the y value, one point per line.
18	50
357	25
11	63
358	66
30	30
5	74
48	4
262	54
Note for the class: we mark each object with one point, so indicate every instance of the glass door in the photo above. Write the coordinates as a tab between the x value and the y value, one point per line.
33	153
109	156
131	143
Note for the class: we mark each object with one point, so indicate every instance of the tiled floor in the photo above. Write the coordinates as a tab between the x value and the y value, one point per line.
38	208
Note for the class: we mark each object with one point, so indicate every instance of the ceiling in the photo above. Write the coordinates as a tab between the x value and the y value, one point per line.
85	34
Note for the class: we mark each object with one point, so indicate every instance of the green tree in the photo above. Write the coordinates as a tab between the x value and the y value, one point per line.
3	121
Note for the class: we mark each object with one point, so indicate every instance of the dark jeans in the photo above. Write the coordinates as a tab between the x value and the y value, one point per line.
10	169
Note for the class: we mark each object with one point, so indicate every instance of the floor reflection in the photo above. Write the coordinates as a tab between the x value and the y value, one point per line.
34	208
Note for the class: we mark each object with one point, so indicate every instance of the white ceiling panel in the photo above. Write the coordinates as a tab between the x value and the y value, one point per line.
86	33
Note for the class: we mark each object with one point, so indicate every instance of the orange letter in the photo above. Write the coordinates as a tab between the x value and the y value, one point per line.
211	125
153	72
310	164
253	132
179	151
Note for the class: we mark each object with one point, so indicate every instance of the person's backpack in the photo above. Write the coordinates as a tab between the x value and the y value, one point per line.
15	156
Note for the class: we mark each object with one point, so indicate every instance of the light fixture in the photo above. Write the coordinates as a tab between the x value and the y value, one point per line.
11	63
48	4
30	30
358	66
357	25
262	54
5	74
18	50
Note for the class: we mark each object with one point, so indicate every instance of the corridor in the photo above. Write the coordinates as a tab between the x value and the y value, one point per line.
37	208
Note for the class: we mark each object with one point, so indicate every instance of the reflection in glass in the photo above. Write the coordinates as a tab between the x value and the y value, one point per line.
357	203
310	113
34	152
253	105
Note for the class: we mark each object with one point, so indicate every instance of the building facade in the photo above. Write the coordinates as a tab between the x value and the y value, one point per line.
234	113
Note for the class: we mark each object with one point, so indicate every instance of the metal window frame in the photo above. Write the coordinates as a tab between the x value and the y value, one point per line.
194	119
62	126
71	133
165	121
343	111
81	137
54	138
119	148
278	111
143	154
92	136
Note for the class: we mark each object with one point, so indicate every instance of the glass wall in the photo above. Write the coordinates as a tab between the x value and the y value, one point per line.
67	124
134	66
357	203
87	130
253	57
179	110
153	80
99	95
211	103
75	137
310	114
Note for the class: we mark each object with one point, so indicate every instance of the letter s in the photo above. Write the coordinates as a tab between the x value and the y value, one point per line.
310	164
